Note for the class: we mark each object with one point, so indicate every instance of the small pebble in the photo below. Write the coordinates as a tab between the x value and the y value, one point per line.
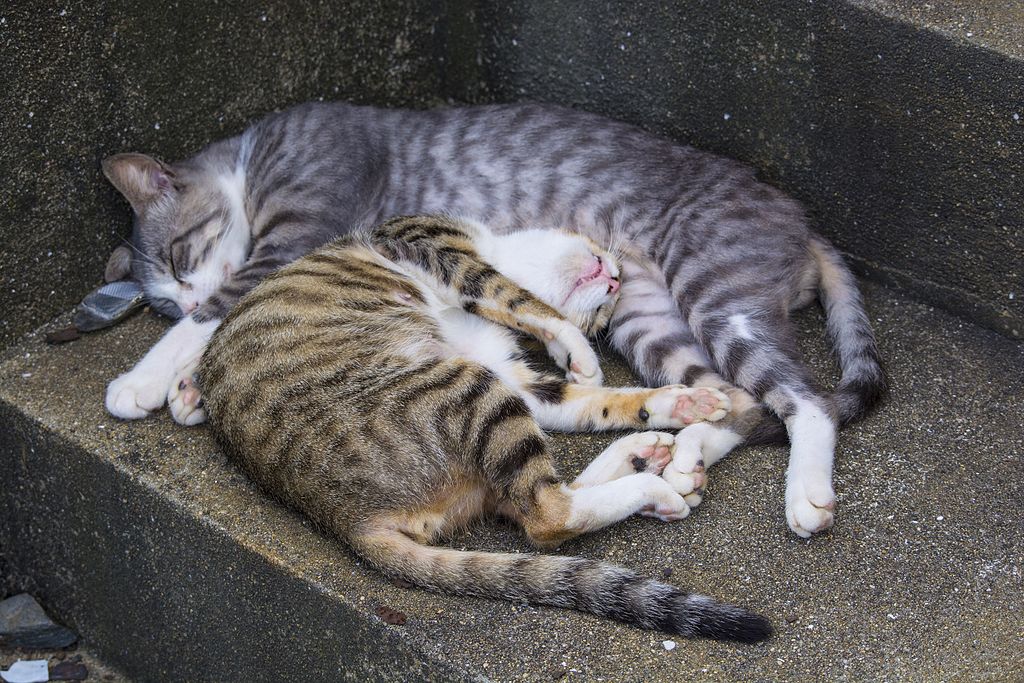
666	572
669	645
792	618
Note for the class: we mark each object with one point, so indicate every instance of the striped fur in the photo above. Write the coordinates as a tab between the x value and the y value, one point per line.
338	384
720	258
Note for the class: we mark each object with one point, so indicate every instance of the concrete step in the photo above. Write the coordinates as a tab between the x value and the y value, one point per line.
143	538
899	124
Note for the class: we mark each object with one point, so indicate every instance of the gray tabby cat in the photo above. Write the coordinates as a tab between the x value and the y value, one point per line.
713	261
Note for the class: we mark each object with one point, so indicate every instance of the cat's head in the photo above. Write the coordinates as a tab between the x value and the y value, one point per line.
569	272
186	238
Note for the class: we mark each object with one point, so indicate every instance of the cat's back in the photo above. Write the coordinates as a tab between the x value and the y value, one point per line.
331	325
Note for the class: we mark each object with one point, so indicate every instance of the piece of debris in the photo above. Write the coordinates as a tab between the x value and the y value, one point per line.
63	336
557	673
391	616
69	671
400	582
669	645
27	671
666	572
792	618
23	623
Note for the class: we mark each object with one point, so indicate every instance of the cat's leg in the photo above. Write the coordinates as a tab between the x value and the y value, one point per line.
446	248
147	386
754	345
563	406
648	329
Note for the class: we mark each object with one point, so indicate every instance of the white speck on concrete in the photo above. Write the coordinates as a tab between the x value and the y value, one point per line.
669	645
726	116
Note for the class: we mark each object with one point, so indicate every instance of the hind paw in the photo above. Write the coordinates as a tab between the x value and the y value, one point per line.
810	508
687	476
647	452
676	407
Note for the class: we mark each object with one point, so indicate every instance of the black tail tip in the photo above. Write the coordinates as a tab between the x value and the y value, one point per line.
745	627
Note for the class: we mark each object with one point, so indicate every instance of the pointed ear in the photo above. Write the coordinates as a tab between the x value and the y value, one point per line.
118	265
140	178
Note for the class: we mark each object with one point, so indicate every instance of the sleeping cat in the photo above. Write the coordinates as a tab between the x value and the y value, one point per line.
375	385
713	260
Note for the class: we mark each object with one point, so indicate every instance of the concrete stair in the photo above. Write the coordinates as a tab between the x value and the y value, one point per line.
893	121
173	564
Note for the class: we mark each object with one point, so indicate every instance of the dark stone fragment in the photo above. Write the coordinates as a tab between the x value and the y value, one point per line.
391	616
666	572
69	671
62	336
792	618
23	623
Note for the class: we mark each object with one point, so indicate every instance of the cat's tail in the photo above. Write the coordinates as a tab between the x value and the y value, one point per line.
863	381
558	581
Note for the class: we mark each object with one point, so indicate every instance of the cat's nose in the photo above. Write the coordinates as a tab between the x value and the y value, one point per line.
191	307
613	285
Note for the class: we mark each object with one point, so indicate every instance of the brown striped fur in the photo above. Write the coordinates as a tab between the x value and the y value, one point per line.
334	385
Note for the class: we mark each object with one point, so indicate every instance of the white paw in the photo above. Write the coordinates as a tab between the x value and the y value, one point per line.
687	477
135	394
185	401
810	506
670	507
646	452
676	406
573	353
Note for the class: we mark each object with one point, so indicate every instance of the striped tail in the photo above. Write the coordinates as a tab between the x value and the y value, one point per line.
558	581
863	381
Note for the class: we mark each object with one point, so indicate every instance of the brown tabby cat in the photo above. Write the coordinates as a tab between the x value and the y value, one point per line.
375	385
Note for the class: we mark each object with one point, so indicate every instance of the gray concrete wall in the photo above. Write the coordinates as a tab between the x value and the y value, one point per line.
904	143
81	80
901	141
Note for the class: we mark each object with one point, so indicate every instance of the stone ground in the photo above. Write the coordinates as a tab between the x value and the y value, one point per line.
920	579
97	670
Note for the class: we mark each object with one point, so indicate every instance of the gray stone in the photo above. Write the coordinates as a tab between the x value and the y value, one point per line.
176	567
23	623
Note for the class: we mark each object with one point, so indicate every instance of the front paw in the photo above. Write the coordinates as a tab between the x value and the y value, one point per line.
573	353
587	374
185	401
134	395
810	506
676	406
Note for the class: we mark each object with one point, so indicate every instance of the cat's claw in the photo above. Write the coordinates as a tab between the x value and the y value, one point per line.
677	406
810	509
135	395
185	402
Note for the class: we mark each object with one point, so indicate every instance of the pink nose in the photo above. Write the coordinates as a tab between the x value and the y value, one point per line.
613	286
191	307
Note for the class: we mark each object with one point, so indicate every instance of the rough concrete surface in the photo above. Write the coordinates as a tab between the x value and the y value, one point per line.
903	141
98	670
83	80
920	579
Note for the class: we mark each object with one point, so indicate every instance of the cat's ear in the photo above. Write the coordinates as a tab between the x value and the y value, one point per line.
119	265
140	178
